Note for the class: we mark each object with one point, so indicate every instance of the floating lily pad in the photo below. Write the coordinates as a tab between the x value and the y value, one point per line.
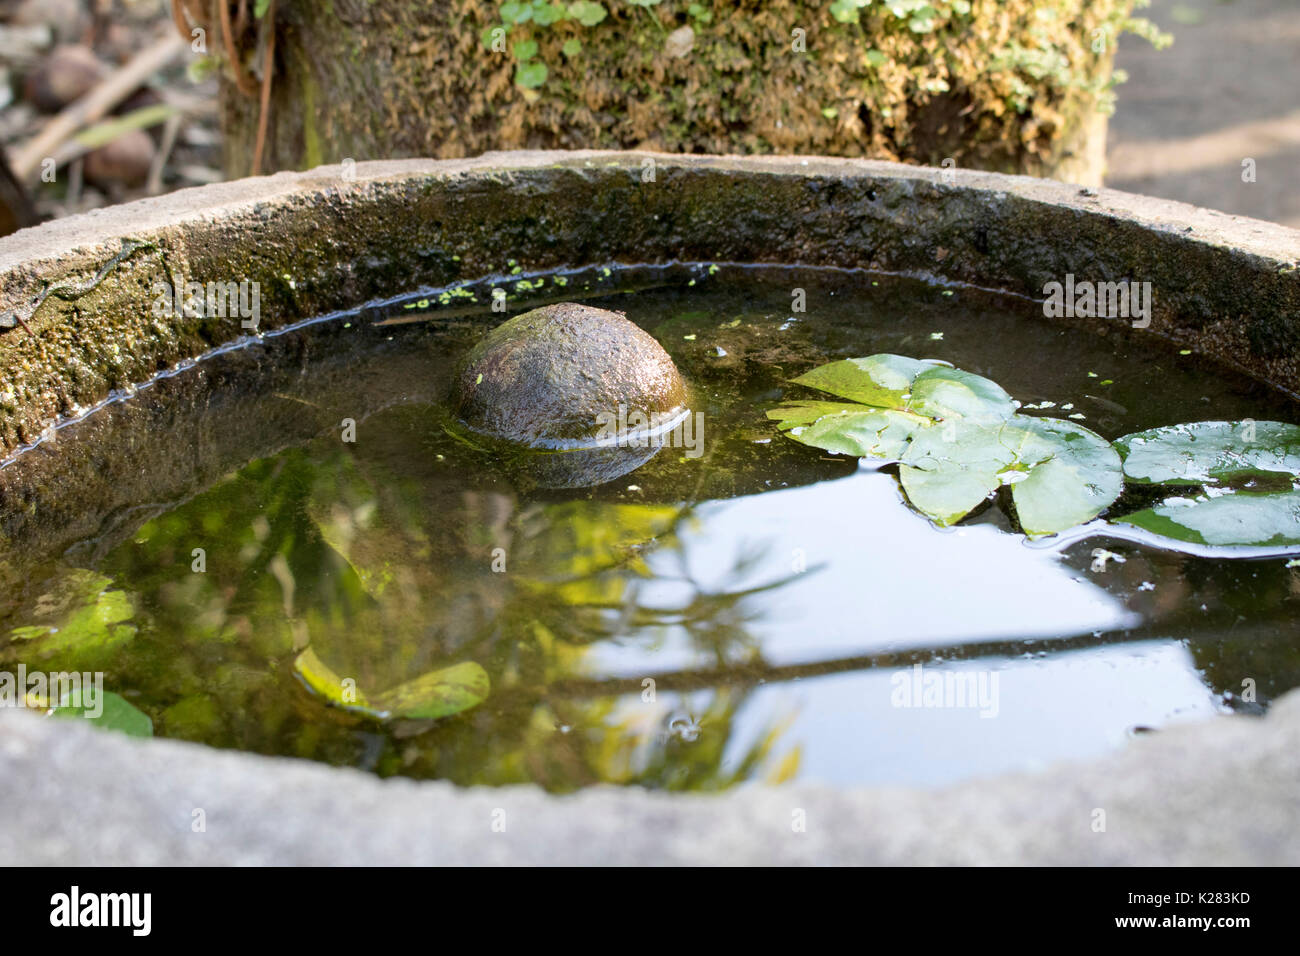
883	380
1204	453
1073	475
943	392
958	437
950	469
906	384
115	713
1241	518
849	429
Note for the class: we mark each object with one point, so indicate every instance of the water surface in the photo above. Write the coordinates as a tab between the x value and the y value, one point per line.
754	613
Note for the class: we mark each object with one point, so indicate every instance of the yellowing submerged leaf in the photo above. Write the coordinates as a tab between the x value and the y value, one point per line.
317	675
437	694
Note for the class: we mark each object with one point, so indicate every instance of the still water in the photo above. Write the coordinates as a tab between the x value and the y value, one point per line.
760	611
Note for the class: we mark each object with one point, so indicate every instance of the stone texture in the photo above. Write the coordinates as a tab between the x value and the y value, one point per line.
1218	793
545	378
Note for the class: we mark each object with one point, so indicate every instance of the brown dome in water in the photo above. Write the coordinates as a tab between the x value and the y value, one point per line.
549	378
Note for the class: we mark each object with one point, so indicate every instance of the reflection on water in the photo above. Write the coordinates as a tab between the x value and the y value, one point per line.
754	614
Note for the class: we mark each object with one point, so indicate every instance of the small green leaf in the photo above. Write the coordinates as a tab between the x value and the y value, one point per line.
572	47
525	50
531	75
1210	452
115	713
515	12
437	694
544	14
700	12
846	11
587	13
1241	518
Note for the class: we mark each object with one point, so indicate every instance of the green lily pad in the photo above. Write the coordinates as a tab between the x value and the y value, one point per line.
1204	453
943	392
1241	518
958	438
1061	474
1073	475
849	429
883	380
115	713
949	470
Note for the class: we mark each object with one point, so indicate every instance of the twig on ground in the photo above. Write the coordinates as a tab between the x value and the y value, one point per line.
95	105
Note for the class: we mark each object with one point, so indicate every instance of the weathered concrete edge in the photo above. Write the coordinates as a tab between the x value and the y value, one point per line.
1217	793
100	227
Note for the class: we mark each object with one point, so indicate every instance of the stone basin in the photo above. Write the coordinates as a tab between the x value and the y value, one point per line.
77	323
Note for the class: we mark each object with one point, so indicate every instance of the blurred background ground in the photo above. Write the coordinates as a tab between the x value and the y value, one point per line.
1227	90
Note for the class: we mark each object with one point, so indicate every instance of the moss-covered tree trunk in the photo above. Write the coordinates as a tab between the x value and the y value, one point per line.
1009	85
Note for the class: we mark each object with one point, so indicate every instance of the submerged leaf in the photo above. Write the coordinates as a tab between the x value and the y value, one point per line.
115	713
317	675
80	624
437	694
1243	518
1204	453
